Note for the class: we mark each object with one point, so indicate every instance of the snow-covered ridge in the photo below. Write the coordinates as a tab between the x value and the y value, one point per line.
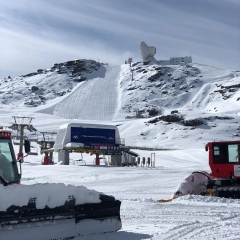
150	89
37	88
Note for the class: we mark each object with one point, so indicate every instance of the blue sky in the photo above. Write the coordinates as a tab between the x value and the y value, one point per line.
36	34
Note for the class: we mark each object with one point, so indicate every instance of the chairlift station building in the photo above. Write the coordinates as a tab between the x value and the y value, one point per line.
90	138
94	138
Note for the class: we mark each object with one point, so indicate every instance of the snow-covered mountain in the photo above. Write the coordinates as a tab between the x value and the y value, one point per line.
37	88
170	102
154	106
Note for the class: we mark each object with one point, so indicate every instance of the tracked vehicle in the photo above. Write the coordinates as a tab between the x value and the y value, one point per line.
224	161
223	181
49	211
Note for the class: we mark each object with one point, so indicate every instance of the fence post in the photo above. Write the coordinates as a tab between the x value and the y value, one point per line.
148	161
153	160
138	161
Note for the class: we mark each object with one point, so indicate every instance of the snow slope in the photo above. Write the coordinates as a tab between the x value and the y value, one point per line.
90	100
207	96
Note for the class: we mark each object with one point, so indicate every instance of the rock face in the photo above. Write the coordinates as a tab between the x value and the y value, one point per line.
34	88
76	68
227	91
171	118
193	122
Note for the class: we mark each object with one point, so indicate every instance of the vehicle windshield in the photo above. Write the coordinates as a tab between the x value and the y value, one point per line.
8	167
226	153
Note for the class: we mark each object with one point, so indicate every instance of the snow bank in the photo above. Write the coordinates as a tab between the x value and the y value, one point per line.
51	195
207	200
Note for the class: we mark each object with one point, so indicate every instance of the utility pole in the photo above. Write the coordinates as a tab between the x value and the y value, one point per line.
131	70
130	61
20	153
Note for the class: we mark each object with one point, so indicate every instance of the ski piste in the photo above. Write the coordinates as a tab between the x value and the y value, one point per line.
36	212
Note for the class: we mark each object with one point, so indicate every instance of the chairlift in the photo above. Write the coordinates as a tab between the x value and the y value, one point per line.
16	142
16	138
104	160
80	161
33	137
33	151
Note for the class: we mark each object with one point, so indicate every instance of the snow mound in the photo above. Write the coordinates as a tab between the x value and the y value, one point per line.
199	200
51	195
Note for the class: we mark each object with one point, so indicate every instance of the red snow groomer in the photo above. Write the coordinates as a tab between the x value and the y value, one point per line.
49	211
224	161
223	181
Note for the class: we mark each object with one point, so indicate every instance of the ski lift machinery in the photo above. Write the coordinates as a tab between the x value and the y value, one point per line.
79	161
33	150
98	139
47	143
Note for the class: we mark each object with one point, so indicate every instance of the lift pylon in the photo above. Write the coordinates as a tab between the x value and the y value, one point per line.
47	143
19	125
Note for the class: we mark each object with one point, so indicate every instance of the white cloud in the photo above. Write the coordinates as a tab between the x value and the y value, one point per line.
37	34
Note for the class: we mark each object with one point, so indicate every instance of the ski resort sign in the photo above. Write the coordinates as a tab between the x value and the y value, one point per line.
89	138
92	135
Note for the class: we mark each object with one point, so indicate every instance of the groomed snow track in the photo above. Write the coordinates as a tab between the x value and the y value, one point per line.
93	99
190	217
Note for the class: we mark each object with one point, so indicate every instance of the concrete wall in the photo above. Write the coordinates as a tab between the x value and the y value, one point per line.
63	156
116	160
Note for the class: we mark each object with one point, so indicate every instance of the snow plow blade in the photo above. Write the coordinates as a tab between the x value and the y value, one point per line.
67	221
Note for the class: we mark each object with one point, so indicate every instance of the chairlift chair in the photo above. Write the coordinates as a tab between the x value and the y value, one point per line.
104	160
16	142
80	160
33	151
33	137
16	137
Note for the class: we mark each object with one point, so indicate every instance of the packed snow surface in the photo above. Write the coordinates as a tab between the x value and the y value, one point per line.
139	188
206	102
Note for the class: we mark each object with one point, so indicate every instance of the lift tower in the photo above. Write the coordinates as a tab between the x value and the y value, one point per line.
19	125
47	147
